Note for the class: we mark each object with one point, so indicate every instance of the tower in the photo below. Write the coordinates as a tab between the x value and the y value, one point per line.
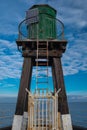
41	42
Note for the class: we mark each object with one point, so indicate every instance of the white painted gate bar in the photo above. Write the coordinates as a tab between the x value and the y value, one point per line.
43	111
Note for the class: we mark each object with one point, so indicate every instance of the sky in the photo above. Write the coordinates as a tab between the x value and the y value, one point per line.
74	60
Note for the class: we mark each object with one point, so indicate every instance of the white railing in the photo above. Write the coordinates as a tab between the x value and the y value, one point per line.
43	111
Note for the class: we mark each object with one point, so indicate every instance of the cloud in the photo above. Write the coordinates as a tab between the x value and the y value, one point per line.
75	57
10	60
72	14
11	13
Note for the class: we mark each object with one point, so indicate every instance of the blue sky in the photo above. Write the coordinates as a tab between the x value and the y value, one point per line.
74	60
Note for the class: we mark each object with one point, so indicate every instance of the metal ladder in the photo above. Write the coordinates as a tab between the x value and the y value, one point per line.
42	76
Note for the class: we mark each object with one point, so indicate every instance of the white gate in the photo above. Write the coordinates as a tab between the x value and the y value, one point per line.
43	111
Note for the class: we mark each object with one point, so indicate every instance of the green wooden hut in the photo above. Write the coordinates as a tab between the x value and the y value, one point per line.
41	22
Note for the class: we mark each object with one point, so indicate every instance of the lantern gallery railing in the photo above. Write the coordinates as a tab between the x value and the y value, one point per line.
49	28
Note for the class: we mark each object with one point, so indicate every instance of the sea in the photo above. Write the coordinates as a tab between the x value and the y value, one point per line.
78	111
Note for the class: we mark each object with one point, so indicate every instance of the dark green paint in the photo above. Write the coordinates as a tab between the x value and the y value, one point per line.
45	28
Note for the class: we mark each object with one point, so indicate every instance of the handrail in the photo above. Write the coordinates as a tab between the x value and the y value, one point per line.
21	34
